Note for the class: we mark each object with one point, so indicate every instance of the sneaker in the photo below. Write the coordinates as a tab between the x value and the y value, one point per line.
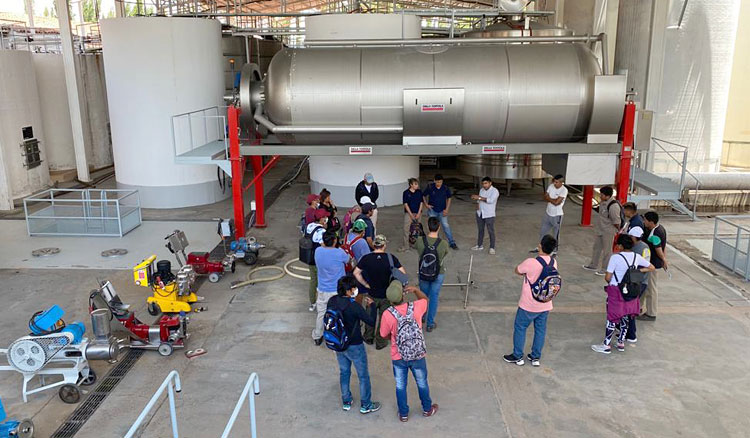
632	341
534	361
620	346
601	348
374	407
431	327
403	418
318	341
369	341
535	250
431	412
477	248
454	246
588	268
512	359
645	317
347	406
601	273
492	251
312	308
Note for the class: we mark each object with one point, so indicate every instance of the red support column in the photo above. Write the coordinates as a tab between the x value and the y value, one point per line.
628	134
588	203
237	162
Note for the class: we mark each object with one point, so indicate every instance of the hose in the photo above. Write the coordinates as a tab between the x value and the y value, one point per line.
248	280
287	267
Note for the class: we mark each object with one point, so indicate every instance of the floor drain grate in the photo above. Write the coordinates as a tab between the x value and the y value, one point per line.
85	410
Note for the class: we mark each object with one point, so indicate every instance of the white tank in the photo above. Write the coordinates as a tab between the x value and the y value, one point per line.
20	116
156	68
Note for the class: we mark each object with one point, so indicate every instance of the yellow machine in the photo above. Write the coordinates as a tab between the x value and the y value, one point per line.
172	293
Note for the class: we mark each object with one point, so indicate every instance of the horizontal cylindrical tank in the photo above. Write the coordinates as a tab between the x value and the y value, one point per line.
157	68
22	139
512	93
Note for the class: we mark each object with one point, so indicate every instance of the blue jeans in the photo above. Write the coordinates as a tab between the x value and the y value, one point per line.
443	224
523	320
401	374
357	355
432	290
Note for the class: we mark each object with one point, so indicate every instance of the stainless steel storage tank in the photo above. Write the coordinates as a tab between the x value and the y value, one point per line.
511	93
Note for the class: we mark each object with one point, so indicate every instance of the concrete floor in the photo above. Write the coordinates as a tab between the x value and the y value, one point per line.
687	376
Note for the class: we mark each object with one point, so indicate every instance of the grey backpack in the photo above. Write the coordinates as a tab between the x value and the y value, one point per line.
409	338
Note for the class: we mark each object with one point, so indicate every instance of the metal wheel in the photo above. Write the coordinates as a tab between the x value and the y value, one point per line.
25	429
165	349
153	309
234	267
214	277
70	393
88	380
250	258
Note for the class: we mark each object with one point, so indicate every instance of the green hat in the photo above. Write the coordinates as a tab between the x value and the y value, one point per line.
359	225
395	292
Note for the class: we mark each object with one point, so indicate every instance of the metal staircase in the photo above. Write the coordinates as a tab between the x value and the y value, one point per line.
199	137
649	186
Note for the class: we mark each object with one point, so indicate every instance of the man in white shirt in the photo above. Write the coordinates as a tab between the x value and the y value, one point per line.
486	203
555	197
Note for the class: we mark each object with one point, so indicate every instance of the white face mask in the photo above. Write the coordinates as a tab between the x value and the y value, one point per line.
355	293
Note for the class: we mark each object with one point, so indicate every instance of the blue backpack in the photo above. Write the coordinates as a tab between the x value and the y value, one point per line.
334	334
548	284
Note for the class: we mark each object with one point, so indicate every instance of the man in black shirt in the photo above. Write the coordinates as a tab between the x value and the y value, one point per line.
352	313
373	272
656	238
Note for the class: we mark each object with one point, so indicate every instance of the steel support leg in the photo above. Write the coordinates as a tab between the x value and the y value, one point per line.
588	202
626	155
237	163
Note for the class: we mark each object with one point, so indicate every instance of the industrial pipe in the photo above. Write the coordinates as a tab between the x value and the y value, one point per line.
452	41
335	129
714	180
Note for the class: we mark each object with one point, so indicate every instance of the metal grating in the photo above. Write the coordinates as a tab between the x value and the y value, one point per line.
85	410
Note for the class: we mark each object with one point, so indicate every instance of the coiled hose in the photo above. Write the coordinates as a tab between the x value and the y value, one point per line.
249	280
288	267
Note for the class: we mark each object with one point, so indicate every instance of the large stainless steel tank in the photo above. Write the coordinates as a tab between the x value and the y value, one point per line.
511	93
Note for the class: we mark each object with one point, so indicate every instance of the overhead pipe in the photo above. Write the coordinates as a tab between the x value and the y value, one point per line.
452	41
324	129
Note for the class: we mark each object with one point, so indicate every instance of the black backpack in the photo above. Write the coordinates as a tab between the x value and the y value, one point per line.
630	285
307	247
623	220
429	261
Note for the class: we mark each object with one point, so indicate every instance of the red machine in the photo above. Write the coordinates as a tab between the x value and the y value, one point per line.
168	333
202	265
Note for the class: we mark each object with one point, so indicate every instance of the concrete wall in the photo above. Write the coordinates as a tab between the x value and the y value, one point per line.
19	107
96	111
736	149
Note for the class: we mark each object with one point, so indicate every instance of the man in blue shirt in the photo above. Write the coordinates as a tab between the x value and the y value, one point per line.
412	199
633	218
330	262
359	246
366	216
437	197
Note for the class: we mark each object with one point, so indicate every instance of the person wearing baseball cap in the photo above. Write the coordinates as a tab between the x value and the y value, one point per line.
312	205
374	272
404	313
355	240
368	188
366	216
641	248
315	231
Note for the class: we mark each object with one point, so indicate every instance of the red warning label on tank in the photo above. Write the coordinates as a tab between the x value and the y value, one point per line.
360	150
433	108
493	149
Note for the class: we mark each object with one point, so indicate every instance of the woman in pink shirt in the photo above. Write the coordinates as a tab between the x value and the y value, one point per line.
529	309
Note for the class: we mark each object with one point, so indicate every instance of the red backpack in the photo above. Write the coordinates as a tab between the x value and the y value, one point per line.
347	247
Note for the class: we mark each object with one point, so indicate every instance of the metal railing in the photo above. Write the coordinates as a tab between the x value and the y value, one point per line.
87	212
731	244
678	154
254	383
198	128
171	384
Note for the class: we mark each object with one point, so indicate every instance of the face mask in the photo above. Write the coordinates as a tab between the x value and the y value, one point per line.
355	293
